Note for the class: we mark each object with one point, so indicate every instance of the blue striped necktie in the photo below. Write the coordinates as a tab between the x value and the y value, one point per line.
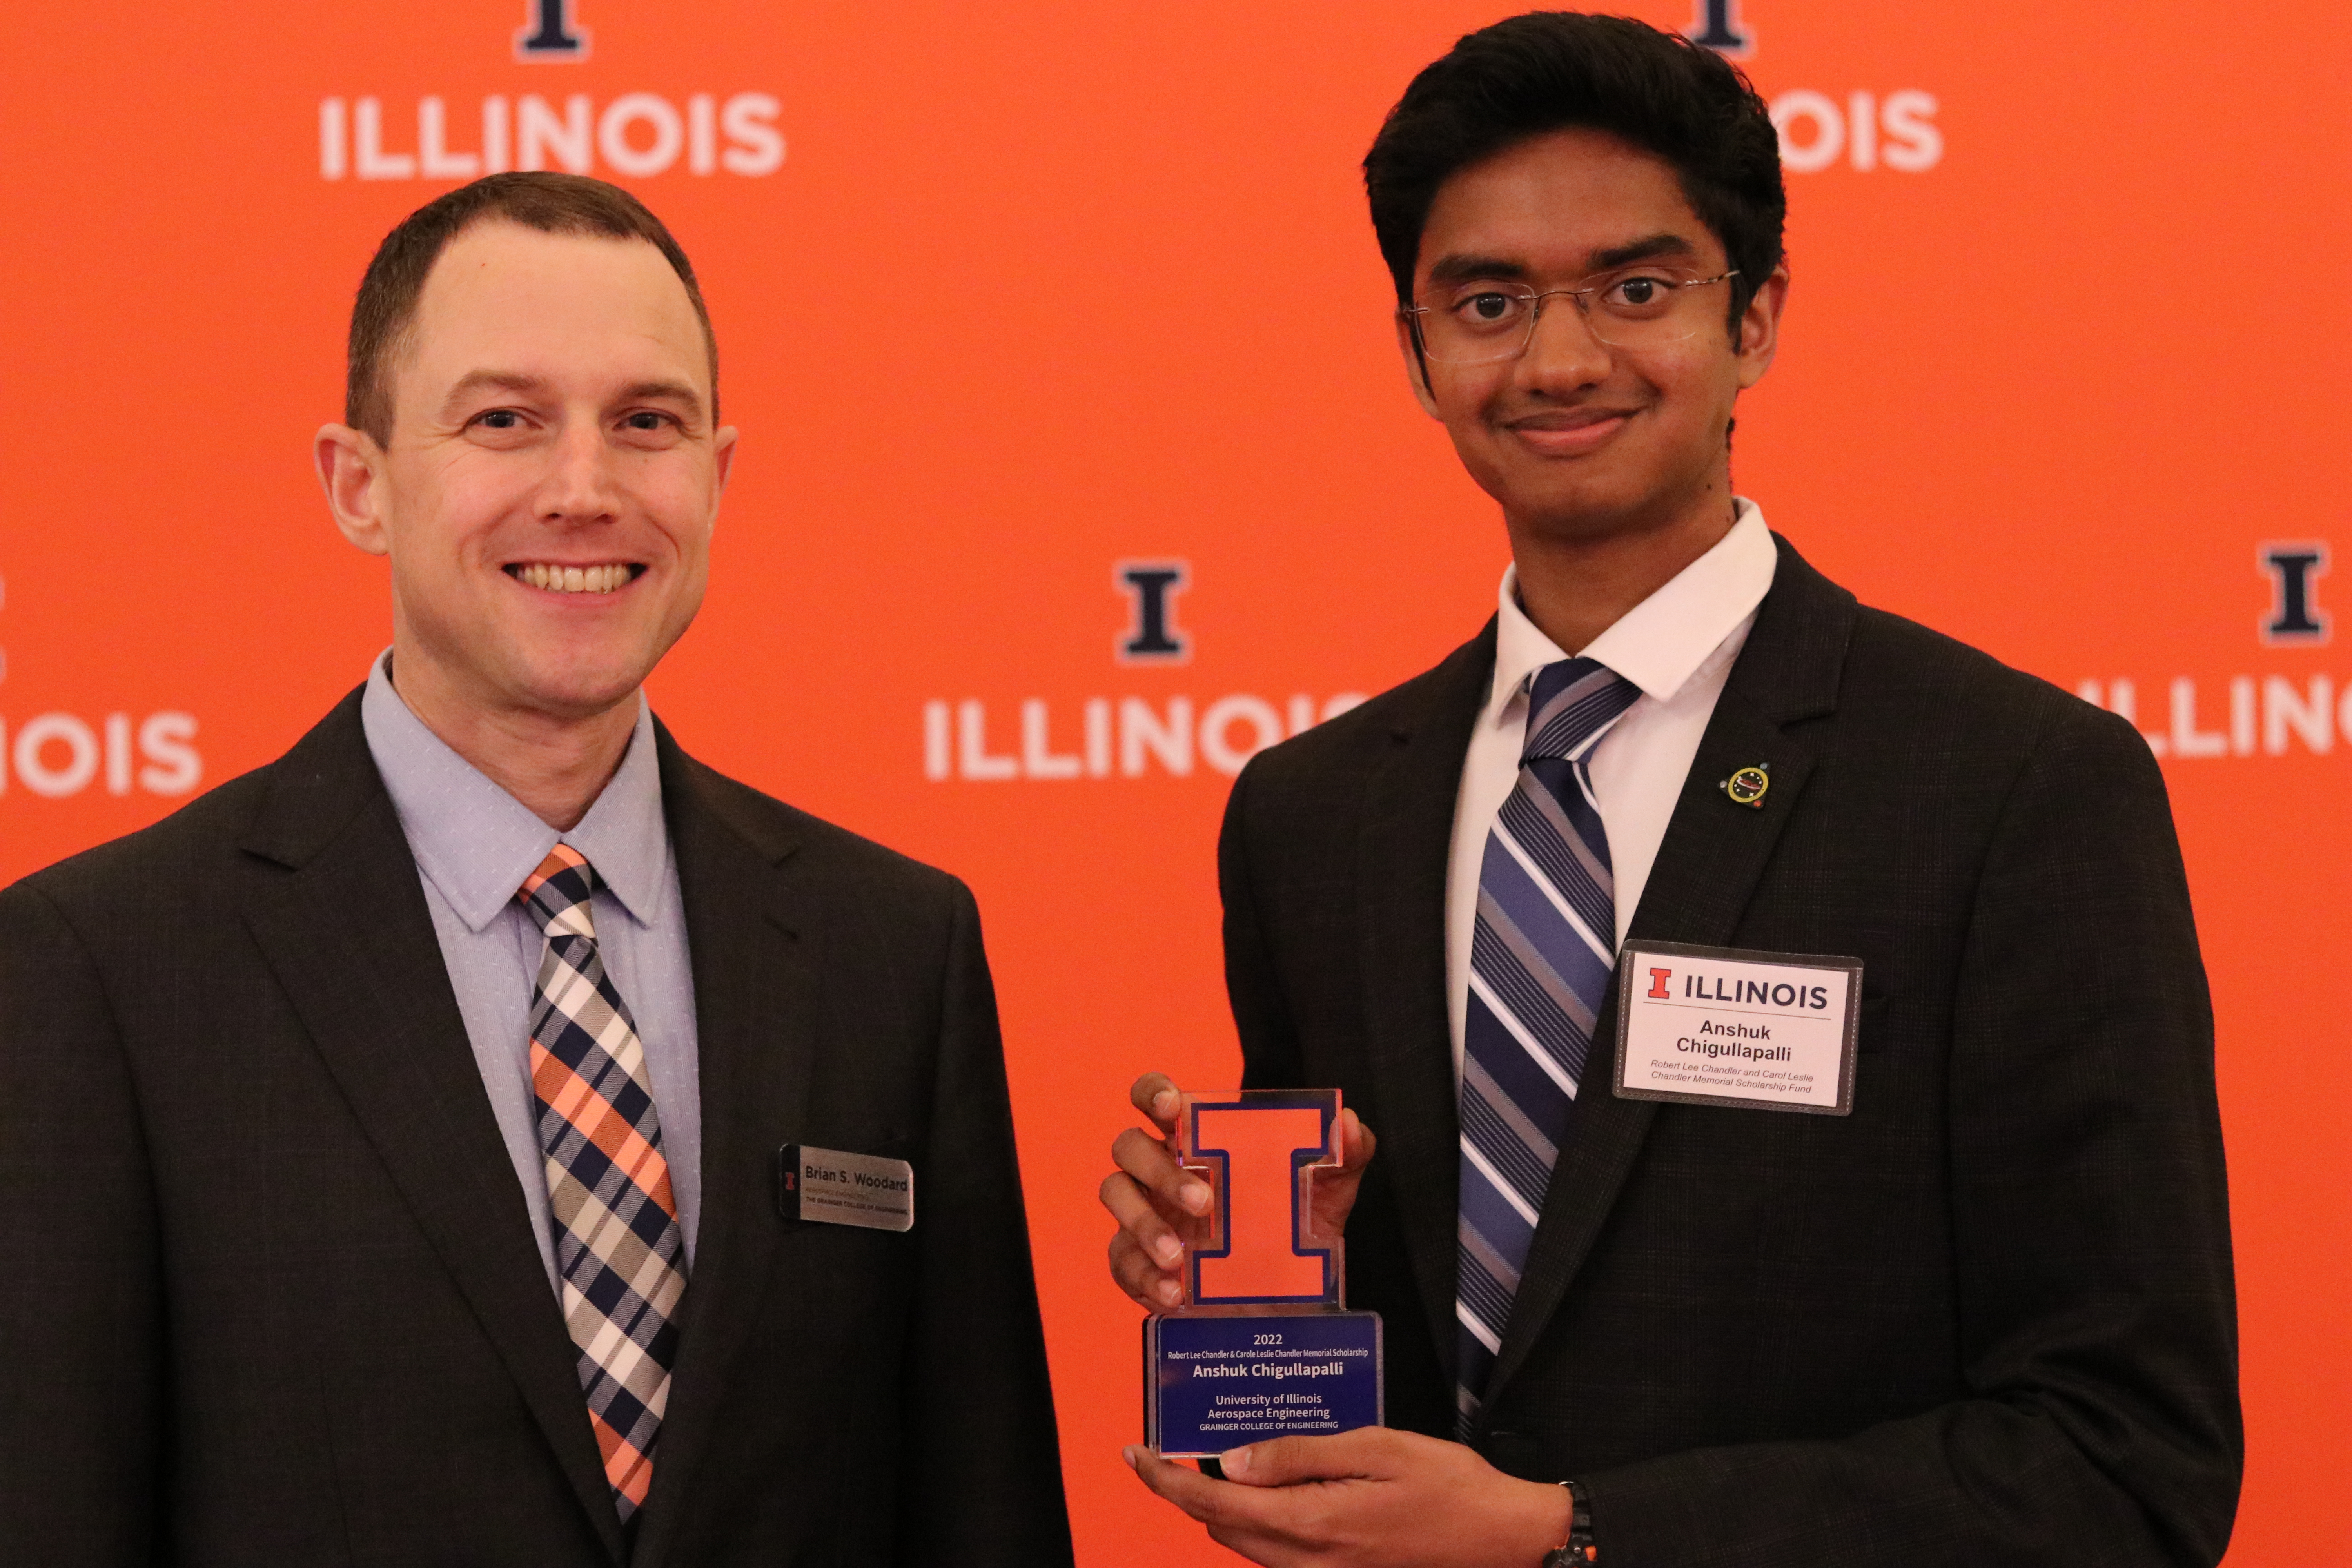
1540	959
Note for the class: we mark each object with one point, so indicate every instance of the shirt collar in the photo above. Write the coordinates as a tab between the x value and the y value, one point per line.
478	842
1660	642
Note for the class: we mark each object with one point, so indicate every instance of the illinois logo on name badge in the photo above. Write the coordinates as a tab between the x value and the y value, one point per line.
1728	1026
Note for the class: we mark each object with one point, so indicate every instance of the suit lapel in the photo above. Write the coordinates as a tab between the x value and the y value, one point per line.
350	941
1706	870
1407	830
754	938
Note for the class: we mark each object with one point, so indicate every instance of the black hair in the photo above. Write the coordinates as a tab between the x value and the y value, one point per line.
1550	70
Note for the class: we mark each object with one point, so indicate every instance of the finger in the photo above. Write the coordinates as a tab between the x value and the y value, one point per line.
1145	1158
1250	1522
1155	1169
1334	1189
1367	1452
1189	1489
1256	1524
1146	1283
1139	1218
1156	1095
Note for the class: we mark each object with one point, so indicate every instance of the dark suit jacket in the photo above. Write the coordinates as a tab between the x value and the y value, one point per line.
268	1290
1988	1318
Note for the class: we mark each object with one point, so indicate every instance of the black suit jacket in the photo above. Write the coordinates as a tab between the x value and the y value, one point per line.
1986	1318
268	1292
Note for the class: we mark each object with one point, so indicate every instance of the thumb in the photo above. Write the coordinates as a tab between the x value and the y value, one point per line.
1287	1461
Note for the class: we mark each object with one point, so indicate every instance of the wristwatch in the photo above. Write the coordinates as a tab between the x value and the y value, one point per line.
1577	1549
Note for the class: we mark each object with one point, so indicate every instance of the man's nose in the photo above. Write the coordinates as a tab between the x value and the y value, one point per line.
579	484
1562	353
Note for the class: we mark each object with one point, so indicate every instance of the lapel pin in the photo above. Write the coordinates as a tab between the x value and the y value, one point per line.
1746	786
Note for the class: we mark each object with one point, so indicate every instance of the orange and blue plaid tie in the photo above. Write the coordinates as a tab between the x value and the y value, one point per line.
618	1245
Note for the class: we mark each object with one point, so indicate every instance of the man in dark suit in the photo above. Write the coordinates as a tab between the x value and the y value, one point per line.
389	1141
1984	1317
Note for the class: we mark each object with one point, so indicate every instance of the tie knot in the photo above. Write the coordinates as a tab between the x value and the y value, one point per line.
557	894
1571	703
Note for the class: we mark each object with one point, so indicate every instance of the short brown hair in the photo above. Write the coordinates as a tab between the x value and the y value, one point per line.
550	202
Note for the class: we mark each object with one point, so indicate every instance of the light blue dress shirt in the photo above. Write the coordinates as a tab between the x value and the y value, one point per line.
473	845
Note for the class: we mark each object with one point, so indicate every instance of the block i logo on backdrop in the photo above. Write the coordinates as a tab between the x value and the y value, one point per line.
2295	617
636	135
551	34
2280	713
1151	638
1716	27
1124	737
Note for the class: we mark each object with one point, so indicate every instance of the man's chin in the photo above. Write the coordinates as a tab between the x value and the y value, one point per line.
1598	504
573	692
1587	517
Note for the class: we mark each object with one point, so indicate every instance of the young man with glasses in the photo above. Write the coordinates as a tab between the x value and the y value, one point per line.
1985	1315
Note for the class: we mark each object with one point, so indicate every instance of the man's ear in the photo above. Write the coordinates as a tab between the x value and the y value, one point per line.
350	466
1759	328
722	453
722	458
1416	370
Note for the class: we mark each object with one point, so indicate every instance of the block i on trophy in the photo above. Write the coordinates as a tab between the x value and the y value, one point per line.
1264	1345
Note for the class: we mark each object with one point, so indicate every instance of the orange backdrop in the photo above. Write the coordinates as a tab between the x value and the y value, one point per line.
1009	295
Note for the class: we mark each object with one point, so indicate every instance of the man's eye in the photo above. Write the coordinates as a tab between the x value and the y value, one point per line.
500	419
1487	307
645	419
1640	293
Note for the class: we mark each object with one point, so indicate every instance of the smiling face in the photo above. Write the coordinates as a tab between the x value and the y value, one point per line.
553	478
1578	441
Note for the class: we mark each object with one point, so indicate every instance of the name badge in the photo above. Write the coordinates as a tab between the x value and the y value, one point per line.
831	1187
1718	1026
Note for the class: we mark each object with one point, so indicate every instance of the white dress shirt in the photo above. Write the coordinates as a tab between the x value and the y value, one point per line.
473	845
1677	646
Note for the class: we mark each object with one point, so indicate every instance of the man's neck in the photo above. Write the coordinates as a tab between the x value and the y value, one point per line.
1574	586
555	766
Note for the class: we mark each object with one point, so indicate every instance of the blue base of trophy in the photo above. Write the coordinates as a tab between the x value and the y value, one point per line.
1214	1382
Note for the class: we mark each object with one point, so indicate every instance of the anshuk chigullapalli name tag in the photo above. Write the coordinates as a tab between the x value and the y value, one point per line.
831	1186
1721	1025
1264	1345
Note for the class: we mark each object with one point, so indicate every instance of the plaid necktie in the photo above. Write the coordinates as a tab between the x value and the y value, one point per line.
1540	958
618	1245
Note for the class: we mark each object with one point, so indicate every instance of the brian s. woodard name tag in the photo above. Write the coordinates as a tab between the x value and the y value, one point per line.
831	1186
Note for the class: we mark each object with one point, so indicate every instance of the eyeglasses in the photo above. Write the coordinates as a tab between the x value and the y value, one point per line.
1631	307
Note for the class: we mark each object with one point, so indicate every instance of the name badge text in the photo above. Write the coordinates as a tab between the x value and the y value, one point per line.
831	1186
1717	1025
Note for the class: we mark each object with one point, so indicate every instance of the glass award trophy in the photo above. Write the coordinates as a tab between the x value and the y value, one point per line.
1264	1345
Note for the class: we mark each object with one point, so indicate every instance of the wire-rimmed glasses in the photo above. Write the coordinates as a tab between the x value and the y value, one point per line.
1483	320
